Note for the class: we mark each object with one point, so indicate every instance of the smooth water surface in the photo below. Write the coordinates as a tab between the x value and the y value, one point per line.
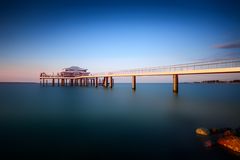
118	123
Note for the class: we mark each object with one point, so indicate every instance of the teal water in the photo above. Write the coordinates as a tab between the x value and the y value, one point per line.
118	123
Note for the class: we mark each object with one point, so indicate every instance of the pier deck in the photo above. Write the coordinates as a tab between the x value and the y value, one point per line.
209	67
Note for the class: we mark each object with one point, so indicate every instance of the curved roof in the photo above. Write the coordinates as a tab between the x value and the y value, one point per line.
75	68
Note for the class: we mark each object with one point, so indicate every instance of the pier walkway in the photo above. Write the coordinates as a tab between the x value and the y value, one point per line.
221	66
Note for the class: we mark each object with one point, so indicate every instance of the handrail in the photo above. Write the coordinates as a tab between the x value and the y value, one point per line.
221	63
201	65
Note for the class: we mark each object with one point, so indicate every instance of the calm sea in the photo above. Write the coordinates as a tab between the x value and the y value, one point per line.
118	123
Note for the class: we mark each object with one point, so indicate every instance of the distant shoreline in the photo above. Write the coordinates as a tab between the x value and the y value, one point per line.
201	82
19	82
218	81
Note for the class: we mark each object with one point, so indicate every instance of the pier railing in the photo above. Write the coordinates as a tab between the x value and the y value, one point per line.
204	65
207	67
223	63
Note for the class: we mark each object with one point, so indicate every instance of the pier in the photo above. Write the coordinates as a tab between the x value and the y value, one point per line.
106	79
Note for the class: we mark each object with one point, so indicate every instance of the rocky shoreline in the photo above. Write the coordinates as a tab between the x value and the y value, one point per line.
226	137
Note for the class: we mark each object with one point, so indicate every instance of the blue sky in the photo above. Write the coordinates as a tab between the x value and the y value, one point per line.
38	36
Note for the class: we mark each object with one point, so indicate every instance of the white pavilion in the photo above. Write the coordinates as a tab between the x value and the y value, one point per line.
74	71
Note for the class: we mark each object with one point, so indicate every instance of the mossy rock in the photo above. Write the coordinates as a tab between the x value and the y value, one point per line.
202	131
230	142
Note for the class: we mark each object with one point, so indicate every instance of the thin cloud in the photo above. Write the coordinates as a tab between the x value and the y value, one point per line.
218	56
231	45
232	53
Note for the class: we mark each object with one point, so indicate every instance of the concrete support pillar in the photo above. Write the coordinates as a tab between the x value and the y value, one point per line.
71	82
175	83
96	82
85	81
62	82
43	81
105	81
76	82
53	82
58	82
133	82
111	82
80	81
66	81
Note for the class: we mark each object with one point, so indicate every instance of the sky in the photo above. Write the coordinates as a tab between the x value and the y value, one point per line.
108	35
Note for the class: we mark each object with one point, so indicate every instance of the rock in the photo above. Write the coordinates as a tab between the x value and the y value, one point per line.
228	133
219	130
231	142
213	130
202	131
238	131
208	144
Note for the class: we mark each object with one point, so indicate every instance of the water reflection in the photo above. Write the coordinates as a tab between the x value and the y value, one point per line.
148	122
